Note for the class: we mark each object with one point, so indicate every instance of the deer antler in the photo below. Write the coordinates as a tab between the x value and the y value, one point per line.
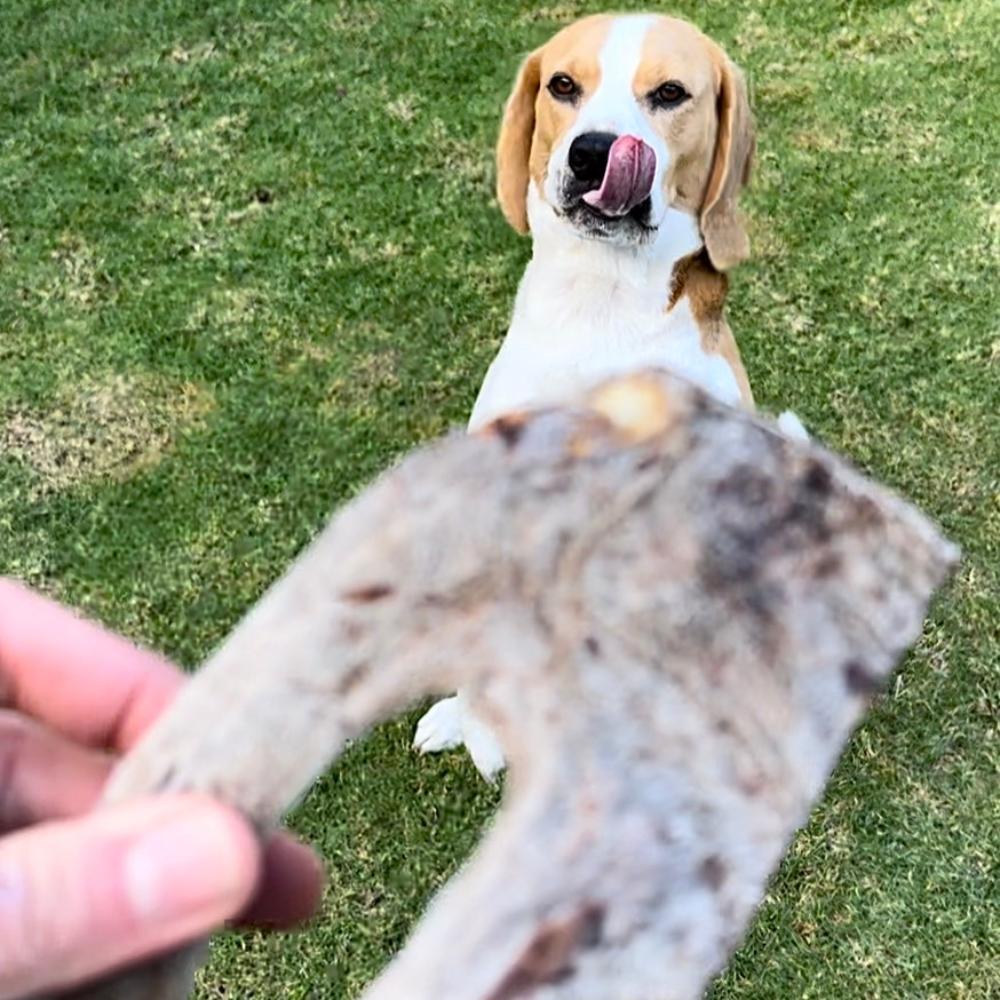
671	615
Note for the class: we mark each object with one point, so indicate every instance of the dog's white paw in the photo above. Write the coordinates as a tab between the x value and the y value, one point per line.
449	724
790	425
484	748
440	728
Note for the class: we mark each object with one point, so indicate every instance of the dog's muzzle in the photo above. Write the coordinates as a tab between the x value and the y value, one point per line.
612	174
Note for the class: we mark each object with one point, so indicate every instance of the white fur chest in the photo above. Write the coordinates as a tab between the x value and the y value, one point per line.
581	317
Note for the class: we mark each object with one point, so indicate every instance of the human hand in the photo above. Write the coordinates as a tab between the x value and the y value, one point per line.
83	892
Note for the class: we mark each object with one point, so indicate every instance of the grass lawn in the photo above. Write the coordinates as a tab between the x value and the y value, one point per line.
249	254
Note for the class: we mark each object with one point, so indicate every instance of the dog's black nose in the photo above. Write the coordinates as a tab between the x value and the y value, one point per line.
588	156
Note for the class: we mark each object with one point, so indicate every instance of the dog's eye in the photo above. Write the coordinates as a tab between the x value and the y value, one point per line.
669	95
563	87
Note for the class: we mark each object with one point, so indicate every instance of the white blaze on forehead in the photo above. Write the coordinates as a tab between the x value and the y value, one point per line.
613	107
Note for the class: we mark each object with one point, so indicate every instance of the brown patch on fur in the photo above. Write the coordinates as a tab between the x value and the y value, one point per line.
721	226
549	955
676	50
514	144
533	122
705	289
710	136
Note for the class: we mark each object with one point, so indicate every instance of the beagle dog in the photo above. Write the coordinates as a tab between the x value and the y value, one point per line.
623	150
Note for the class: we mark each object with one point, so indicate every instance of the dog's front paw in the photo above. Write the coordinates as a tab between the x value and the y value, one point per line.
440	728
484	748
449	724
790	425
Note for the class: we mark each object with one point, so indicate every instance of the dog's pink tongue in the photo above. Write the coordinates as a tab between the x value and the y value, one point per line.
628	177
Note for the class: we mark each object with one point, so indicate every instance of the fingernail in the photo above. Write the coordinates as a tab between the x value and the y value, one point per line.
193	863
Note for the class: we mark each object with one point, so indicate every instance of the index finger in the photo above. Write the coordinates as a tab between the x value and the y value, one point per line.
93	686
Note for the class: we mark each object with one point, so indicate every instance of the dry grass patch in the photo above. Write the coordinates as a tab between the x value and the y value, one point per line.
100	429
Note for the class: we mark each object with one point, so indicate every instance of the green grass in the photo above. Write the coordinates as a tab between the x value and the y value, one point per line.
249	254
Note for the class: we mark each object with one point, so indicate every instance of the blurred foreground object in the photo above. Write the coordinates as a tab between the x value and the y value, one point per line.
672	615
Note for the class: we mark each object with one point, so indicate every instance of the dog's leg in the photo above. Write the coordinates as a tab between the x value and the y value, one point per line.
450	723
484	748
440	727
790	425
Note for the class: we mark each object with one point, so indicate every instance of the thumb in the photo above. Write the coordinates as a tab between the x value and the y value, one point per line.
81	897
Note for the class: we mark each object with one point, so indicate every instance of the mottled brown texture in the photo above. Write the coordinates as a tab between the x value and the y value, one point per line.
712	872
859	680
368	593
630	596
549	957
509	428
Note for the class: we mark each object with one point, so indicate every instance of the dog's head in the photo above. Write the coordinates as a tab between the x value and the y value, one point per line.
619	118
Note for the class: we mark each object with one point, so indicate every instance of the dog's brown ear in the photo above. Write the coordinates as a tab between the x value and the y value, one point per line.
721	226
514	144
